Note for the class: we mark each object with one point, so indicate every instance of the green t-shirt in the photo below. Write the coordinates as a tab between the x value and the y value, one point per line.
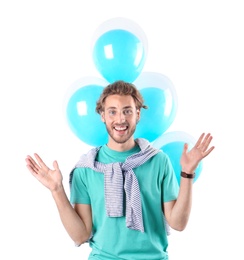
111	238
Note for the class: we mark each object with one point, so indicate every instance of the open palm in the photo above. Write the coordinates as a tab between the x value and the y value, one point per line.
52	179
190	159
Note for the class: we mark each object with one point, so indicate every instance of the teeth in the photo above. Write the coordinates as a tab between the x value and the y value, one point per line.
120	128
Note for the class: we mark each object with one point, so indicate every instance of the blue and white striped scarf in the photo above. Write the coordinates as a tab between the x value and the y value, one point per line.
120	178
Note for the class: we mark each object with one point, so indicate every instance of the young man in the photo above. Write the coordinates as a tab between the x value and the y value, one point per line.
124	193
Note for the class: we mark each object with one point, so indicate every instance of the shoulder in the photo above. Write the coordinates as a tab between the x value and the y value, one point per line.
80	174
161	155
160	161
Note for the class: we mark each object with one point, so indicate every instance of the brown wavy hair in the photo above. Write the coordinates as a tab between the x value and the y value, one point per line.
122	88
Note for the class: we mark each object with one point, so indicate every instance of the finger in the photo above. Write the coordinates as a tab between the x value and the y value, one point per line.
32	164
29	166
208	151
207	140
199	141
40	161
55	165
185	148
31	169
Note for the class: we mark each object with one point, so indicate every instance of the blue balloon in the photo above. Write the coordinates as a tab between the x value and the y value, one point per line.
172	144
160	97
82	118
119	55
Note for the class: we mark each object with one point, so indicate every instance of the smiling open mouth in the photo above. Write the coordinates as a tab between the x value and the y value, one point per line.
121	128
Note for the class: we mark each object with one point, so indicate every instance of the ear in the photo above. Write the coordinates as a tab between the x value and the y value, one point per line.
102	117
138	111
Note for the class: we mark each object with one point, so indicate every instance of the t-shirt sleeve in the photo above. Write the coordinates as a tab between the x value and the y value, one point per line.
78	188
170	185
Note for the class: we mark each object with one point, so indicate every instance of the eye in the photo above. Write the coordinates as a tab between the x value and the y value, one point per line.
112	112
127	112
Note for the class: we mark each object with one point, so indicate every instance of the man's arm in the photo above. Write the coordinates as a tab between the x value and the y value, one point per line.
77	220
177	212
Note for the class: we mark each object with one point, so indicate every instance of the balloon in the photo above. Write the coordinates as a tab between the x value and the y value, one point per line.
120	52
172	144
160	96
82	118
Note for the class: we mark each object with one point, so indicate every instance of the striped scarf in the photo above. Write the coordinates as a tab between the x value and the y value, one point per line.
119	178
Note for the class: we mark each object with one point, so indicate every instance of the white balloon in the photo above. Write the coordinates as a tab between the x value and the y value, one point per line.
174	136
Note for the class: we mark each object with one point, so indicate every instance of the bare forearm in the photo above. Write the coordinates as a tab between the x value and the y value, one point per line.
178	214
182	208
72	222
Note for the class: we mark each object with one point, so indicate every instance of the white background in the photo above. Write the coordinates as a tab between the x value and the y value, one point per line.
45	47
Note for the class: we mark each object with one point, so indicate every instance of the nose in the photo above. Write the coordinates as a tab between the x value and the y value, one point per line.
121	117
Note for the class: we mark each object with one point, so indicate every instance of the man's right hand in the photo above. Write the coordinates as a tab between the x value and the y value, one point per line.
52	179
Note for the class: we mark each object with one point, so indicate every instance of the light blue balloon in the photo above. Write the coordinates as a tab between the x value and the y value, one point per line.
172	143
158	117
119	55
160	96
82	118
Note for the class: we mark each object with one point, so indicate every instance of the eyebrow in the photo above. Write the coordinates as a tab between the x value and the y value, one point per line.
126	107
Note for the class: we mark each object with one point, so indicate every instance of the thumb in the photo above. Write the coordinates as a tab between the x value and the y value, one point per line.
55	165
185	148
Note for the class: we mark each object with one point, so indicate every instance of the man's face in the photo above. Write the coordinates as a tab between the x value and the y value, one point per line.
120	116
